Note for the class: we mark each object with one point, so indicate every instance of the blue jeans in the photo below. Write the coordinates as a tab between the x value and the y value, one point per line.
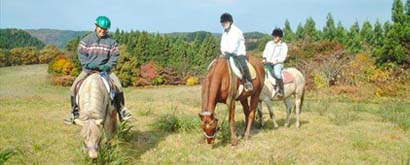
277	71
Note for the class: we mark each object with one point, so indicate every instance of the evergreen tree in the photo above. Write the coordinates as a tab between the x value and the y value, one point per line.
354	44
300	32
396	47
366	33
407	10
377	40
340	34
289	36
329	31
310	33
398	15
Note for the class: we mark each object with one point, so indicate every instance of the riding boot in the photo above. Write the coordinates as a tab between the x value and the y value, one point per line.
119	103
246	74
74	112
281	92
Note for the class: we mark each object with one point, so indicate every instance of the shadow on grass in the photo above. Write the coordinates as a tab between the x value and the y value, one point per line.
136	143
223	137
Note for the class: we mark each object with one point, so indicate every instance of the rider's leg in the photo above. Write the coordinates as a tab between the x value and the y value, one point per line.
119	99
277	69
74	114
246	74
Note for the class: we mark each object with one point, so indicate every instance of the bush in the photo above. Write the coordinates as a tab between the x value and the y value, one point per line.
63	80
172	123
319	81
24	56
4	58
192	80
61	65
158	80
148	71
48	54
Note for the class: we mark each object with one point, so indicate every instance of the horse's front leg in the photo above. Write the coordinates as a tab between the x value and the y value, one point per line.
251	115
234	138
111	124
245	107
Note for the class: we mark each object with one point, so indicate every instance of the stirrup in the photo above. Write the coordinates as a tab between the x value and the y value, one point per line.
70	119
279	93
248	87
125	114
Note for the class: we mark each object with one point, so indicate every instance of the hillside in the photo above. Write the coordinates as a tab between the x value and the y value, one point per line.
13	38
55	37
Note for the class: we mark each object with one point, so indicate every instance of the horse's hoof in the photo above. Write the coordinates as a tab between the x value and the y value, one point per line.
297	125
234	142
262	125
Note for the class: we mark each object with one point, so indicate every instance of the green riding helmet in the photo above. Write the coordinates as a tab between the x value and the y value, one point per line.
103	22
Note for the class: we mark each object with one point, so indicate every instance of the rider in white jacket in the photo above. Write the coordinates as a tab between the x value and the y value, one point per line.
233	44
274	56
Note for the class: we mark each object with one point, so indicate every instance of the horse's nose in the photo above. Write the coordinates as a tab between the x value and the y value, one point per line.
210	140
92	154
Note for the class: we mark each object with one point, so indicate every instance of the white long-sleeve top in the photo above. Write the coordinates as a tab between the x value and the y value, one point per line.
275	52
233	41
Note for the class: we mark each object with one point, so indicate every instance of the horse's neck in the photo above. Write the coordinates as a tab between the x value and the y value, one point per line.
213	85
93	98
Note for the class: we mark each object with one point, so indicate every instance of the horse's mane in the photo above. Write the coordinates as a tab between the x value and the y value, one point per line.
208	81
93	98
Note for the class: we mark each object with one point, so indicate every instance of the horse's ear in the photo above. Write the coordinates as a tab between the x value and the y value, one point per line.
200	115
98	122
79	122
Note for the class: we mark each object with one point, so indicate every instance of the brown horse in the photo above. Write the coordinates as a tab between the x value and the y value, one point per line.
216	88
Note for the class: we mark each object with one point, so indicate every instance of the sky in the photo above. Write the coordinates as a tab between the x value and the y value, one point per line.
166	16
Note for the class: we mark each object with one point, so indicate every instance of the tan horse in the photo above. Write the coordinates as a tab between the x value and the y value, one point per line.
97	115
295	88
216	88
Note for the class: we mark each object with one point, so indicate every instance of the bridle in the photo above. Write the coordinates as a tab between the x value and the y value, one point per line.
216	129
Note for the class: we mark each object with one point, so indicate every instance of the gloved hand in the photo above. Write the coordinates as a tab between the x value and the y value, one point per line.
105	68
91	66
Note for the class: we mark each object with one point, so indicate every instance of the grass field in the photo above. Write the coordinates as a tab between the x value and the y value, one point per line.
165	128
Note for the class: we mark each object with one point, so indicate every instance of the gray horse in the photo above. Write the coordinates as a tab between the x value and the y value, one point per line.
97	115
295	88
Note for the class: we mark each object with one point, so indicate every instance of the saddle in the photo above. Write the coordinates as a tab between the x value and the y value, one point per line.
234	67
109	85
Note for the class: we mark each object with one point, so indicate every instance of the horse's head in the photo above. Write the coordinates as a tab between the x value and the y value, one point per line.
209	123
91	132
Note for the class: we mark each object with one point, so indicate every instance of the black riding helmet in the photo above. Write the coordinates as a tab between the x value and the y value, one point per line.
226	17
277	32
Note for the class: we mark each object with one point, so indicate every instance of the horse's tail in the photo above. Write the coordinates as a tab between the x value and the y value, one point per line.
301	100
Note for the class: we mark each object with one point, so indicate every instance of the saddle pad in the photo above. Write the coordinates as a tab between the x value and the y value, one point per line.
237	71
287	77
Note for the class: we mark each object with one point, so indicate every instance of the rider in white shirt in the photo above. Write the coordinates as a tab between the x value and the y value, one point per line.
274	56
233	44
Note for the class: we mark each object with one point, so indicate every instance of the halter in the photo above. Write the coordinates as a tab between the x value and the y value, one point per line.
92	148
216	129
